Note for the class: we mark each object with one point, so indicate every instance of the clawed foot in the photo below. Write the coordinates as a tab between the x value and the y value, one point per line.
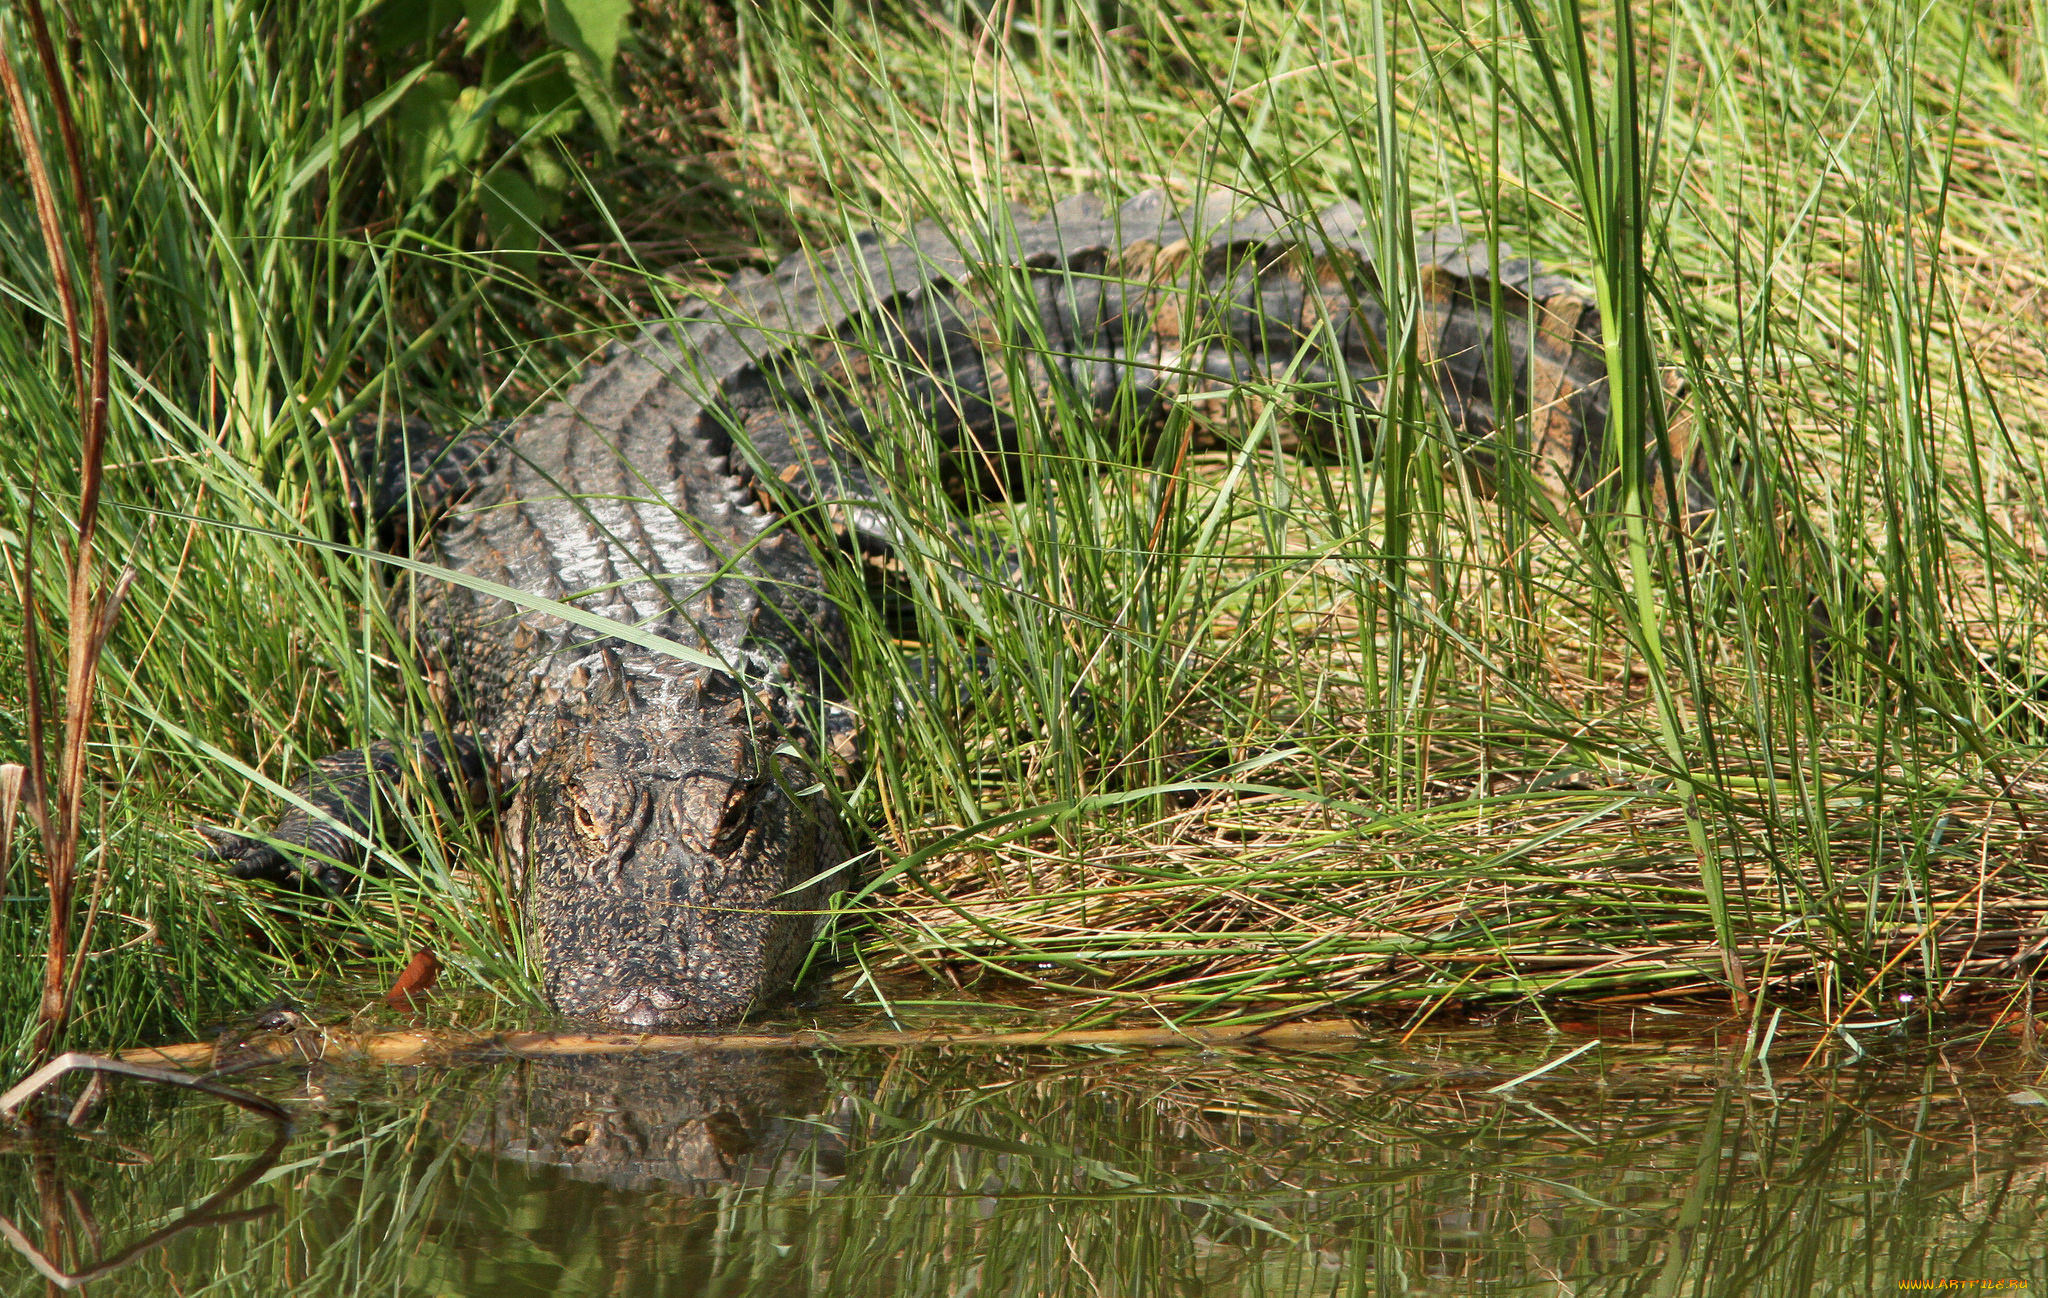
252	858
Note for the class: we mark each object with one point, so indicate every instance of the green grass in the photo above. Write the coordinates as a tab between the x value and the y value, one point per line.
1469	754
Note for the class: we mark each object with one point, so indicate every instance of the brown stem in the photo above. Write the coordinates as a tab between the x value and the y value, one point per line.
46	211
90	383
86	634
92	404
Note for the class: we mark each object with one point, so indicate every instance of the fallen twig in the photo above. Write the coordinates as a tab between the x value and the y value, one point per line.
125	1066
412	1047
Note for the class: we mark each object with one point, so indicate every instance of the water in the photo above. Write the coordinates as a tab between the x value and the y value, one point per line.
1652	1166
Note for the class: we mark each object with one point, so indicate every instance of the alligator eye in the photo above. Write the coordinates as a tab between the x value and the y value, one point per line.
739	804
738	815
714	811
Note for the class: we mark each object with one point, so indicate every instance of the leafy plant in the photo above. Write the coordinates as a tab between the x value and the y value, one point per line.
495	97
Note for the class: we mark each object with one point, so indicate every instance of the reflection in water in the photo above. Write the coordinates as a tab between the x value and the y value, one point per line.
61	1207
690	1123
1629	1171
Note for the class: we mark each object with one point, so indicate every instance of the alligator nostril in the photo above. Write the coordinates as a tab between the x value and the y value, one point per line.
646	1007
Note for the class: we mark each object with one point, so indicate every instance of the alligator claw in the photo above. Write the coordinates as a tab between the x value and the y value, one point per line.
246	858
252	858
228	846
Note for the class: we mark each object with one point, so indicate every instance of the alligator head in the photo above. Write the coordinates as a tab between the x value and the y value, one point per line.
668	862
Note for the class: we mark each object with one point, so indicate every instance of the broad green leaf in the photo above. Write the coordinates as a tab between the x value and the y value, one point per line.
402	24
421	124
590	31
515	216
596	93
591	28
487	18
550	178
540	102
439	131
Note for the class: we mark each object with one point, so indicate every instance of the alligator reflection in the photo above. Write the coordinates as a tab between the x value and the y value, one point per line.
1373	1170
690	1123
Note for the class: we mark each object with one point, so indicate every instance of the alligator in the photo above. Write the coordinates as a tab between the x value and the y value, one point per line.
640	638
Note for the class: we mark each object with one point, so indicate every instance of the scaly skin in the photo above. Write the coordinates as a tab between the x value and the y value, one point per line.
670	870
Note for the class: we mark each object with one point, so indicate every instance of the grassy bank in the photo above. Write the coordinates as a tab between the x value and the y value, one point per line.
1446	752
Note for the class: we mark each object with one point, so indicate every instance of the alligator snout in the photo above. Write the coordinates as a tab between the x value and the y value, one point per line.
646	1007
646	994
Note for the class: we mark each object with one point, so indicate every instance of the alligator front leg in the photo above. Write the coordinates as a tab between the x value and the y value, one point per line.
402	477
354	796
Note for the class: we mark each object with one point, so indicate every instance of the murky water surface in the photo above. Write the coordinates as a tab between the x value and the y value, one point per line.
1648	1164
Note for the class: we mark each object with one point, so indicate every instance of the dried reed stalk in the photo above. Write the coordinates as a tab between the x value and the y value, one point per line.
1583	894
90	618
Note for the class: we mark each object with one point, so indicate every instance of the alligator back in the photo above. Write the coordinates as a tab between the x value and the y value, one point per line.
1132	305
